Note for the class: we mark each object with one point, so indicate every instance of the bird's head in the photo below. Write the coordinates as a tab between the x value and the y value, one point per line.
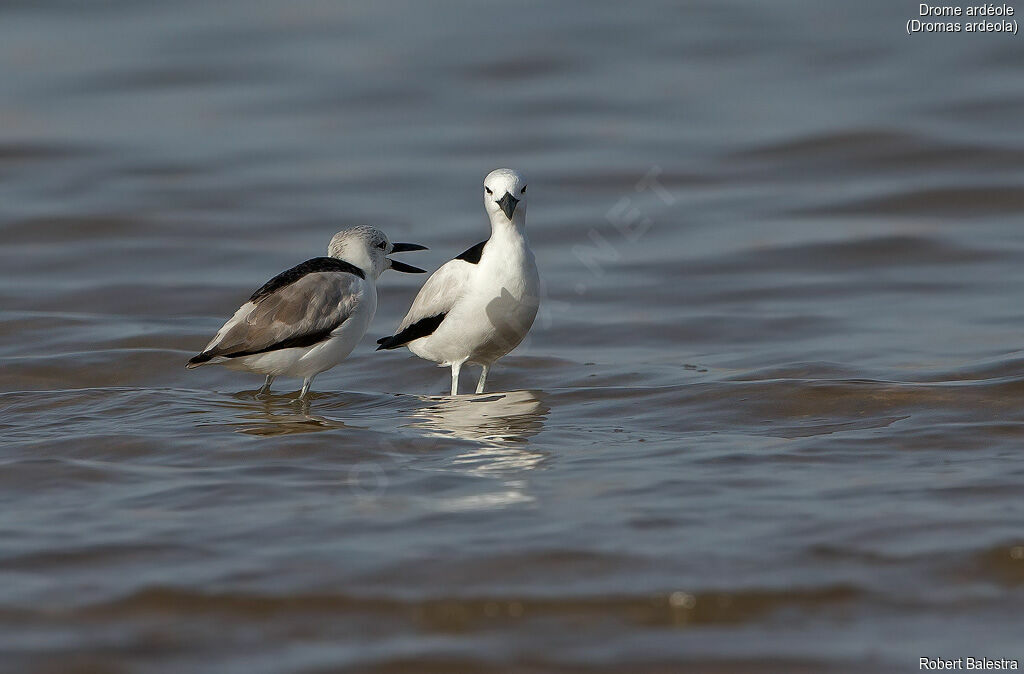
367	248
505	196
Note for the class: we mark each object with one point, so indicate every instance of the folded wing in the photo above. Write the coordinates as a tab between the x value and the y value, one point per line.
300	313
435	299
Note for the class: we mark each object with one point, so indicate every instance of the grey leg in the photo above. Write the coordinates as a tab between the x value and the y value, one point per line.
483	378
305	387
456	367
266	386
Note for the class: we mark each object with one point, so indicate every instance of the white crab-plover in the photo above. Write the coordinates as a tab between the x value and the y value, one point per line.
479	306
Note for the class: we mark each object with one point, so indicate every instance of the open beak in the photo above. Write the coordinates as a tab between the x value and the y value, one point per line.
401	266
508	204
406	247
407	268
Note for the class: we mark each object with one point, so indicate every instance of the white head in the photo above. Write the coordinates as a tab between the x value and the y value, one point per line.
367	247
505	197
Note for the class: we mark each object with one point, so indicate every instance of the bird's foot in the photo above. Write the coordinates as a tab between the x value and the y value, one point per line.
265	389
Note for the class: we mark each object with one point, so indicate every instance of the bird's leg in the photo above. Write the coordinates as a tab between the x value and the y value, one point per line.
484	369
305	389
456	367
266	386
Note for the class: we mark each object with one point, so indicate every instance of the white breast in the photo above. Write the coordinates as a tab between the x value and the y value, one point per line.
495	312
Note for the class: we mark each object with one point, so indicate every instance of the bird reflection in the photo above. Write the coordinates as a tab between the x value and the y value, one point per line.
266	423
501	424
267	417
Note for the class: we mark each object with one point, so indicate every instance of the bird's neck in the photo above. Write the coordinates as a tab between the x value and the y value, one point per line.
358	257
363	262
512	233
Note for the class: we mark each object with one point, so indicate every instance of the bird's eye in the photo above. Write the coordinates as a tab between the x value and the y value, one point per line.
488	190
523	191
382	245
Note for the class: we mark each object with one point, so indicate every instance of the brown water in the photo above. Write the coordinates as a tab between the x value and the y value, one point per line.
769	418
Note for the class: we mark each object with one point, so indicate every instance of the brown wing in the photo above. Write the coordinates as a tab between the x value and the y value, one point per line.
301	313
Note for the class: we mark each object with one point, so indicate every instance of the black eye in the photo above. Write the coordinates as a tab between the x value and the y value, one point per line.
382	245
488	190
523	191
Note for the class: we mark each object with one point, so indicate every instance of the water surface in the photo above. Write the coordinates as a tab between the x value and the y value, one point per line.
768	418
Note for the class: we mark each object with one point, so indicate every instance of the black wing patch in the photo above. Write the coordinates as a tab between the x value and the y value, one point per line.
198	360
472	255
421	328
317	264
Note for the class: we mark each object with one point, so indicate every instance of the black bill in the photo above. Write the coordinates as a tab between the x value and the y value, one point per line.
406	247
508	204
407	268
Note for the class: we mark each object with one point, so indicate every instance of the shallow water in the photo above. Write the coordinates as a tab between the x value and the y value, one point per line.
768	418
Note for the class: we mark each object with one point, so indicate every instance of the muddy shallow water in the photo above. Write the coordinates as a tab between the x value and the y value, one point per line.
768	418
